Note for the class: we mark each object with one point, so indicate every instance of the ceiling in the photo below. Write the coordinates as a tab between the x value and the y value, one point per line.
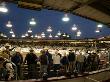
96	10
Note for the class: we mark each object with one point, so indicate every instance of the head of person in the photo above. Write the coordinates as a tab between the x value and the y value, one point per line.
7	46
43	52
56	52
1	59
31	50
17	53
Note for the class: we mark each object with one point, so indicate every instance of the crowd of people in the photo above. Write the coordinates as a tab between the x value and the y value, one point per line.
59	60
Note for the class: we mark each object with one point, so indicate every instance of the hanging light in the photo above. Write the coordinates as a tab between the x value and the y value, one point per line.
13	35
36	36
50	36
5	36
42	34
56	36
3	8
39	37
78	35
65	18
1	34
32	36
97	30
99	25
74	28
78	32
59	33
67	36
9	25
64	34
11	31
23	36
29	31
26	34
32	22
49	29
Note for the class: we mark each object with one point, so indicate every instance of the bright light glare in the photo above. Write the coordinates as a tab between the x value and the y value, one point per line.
36	36
23	36
3	8
97	31
49	29
13	35
65	18
26	34
32	22
11	31
42	34
56	36
64	34
9	24
59	33
50	36
79	32
29	31
100	25
74	28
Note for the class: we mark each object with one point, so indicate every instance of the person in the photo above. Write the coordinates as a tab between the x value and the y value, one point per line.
72	59
9	66
56	61
31	60
90	60
17	59
2	69
96	61
44	63
4	54
80	62
49	55
65	62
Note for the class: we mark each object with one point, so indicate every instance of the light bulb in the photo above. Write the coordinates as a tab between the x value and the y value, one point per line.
65	18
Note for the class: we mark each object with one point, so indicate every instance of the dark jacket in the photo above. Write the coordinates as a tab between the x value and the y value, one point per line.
17	58
71	57
31	58
44	59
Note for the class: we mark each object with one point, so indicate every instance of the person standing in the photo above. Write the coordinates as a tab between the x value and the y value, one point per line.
72	60
44	63
56	61
80	62
31	60
65	62
17	59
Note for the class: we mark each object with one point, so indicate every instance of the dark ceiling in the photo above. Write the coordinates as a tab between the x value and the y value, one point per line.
96	10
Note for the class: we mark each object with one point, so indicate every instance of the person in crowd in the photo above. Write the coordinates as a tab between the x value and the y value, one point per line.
2	69
56	61
80	62
49	59
90	60
7	50
96	61
9	66
72	60
17	59
4	54
31	60
65	62
44	62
